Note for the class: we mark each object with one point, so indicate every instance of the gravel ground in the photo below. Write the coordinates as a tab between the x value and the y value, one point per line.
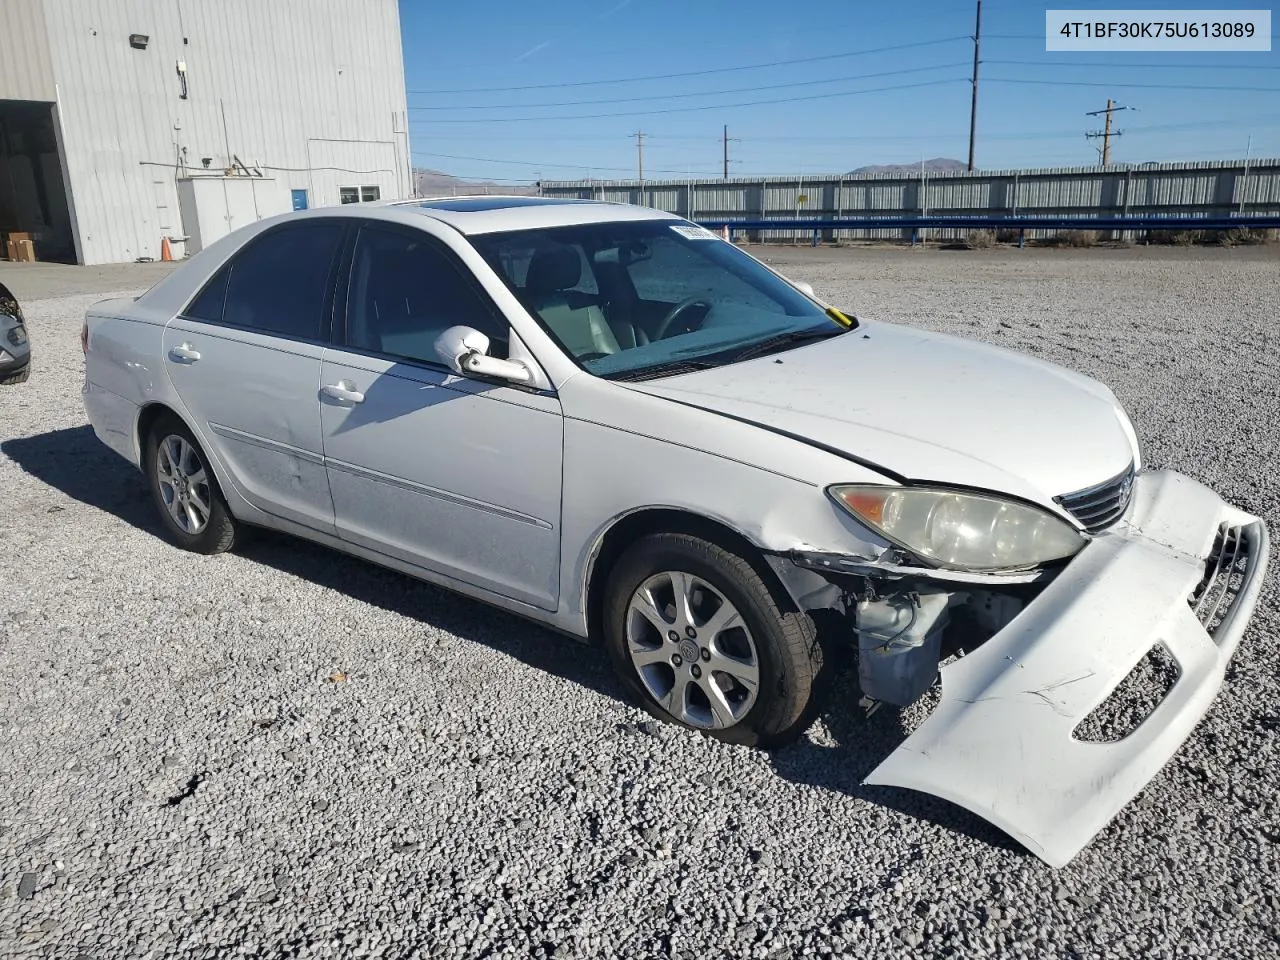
287	752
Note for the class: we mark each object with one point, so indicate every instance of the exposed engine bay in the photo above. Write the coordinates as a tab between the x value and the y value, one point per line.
907	621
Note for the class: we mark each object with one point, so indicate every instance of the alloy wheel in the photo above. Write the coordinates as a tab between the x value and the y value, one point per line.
184	484
692	650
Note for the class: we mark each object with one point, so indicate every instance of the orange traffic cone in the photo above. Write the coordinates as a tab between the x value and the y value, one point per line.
165	253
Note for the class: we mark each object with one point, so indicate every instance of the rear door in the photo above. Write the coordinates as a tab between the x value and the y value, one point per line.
244	358
458	475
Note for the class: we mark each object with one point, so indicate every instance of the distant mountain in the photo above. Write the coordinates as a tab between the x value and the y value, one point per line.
433	183
936	165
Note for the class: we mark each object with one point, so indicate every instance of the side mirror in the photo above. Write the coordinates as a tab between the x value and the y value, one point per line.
805	288
466	351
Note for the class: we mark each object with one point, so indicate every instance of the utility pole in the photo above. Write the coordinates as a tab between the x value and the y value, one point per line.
1244	185
1106	133
973	106
639	135
726	140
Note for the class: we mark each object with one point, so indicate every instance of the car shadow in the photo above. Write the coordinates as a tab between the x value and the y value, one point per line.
76	463
854	745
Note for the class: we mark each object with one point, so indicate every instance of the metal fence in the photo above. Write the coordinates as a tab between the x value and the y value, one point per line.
1218	189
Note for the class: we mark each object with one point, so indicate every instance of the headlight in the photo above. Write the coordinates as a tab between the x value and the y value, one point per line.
961	531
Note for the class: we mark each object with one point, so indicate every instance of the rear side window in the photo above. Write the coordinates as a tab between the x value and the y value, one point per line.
208	305
277	284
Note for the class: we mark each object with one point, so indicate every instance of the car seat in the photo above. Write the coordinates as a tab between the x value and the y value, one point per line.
577	323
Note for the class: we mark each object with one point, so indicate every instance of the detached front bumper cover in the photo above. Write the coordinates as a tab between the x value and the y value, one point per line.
1001	741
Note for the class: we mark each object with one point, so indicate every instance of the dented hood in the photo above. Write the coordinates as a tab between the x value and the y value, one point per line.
926	407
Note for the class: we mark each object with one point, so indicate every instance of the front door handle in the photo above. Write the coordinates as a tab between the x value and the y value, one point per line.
344	391
184	354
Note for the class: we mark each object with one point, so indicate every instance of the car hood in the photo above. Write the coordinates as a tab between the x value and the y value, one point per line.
926	407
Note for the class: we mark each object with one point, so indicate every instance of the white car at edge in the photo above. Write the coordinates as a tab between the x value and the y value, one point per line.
613	422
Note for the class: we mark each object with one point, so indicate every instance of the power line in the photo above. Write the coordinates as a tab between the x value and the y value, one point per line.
1138	66
547	163
596	138
1259	120
704	93
1113	83
714	106
699	73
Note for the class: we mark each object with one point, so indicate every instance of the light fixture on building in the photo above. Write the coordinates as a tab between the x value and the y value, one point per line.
139	41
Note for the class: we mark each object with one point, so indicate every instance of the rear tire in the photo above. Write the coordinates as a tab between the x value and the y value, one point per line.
185	491
733	658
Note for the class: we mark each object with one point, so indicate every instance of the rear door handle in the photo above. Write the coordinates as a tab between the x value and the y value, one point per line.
342	391
184	354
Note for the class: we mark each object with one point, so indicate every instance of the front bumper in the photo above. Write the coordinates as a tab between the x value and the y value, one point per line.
1001	741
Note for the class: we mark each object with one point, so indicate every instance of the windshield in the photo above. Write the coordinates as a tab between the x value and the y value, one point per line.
629	300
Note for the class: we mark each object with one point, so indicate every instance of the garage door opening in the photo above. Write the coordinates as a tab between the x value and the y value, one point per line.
33	197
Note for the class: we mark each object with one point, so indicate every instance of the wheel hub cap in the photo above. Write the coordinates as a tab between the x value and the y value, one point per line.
692	650
183	484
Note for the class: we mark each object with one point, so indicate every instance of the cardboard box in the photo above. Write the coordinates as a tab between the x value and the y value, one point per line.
23	251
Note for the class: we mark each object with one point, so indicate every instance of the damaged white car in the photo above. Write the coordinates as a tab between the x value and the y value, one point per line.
614	422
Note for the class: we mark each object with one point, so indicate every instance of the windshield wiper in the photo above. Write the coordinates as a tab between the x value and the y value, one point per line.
783	341
670	369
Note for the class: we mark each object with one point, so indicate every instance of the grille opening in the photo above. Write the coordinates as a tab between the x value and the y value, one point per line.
1133	700
1100	506
1216	595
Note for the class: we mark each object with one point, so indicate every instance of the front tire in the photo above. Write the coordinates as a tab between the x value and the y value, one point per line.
185	491
20	377
699	639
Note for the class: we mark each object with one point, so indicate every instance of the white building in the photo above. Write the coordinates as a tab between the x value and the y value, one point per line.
126	121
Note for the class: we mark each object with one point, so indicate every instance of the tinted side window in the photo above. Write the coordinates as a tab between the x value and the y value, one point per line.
406	290
278	282
208	303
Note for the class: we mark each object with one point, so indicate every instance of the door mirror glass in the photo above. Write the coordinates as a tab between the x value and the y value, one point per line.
466	350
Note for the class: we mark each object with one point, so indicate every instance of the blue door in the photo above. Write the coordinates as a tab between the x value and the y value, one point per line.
299	199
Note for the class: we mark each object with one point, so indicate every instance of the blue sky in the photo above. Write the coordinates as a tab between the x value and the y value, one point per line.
497	91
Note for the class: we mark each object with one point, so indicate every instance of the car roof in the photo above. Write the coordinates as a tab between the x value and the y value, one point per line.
493	214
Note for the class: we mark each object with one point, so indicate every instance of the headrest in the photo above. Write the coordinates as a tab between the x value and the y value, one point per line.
553	268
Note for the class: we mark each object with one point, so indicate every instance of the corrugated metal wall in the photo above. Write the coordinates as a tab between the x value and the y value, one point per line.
26	70
309	91
1193	189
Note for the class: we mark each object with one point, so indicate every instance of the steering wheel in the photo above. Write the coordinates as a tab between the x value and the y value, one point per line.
678	309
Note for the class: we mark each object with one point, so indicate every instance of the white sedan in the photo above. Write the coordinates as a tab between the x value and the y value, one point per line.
614	422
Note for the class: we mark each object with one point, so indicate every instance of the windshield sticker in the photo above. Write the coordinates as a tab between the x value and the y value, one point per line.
694	233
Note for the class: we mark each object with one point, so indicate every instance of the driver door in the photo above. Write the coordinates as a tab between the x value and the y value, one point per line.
457	475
